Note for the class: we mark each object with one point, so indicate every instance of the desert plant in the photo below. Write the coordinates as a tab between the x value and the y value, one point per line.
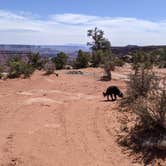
101	52
82	60
96	58
49	67
60	60
26	70
108	67
148	136
141	60
162	58
35	60
100	46
118	62
139	85
1	70
150	131
152	110
17	67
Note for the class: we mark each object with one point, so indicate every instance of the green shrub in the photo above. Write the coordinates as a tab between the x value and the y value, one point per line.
82	60
60	60
27	70
139	85
35	60
142	60
160	57
118	62
146	99
17	68
1	70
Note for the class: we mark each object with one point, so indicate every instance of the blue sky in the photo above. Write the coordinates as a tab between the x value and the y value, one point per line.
141	22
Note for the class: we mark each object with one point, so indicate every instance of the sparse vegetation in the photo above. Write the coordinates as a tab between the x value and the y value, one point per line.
100	46
101	52
1	70
162	58
49	67
147	138
35	60
60	60
118	62
138	86
17	68
146	99
152	110
82	60
141	60
108	67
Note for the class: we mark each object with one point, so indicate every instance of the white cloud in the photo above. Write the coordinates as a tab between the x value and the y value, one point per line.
74	19
9	15
23	28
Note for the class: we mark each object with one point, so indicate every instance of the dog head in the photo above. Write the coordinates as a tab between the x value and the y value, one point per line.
120	95
104	94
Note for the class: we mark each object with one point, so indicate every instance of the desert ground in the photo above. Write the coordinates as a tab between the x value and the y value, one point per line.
61	121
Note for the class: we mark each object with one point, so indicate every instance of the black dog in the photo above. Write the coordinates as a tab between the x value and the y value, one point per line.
113	90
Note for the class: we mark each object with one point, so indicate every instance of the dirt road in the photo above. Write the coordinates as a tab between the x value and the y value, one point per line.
59	121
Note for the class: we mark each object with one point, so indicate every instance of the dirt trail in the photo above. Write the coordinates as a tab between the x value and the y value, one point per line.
59	121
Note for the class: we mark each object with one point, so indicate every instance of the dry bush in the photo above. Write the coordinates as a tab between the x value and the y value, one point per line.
108	67
119	61
147	137
138	86
152	110
49	68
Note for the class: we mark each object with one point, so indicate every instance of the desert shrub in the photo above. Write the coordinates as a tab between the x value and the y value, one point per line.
148	136
60	60
139	85
159	57
118	62
146	100
17	68
96	58
1	70
108	67
27	70
162	59
142	81
82	60
49	67
152	110
35	60
141	60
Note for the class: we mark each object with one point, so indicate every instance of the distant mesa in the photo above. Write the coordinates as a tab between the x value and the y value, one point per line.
71	50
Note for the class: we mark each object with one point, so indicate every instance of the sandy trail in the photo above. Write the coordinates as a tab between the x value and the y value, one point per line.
50	121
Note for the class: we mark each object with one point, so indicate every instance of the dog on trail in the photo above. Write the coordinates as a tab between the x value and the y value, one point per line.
113	91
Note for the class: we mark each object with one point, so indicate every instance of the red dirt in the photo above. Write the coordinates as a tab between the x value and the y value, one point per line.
60	121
